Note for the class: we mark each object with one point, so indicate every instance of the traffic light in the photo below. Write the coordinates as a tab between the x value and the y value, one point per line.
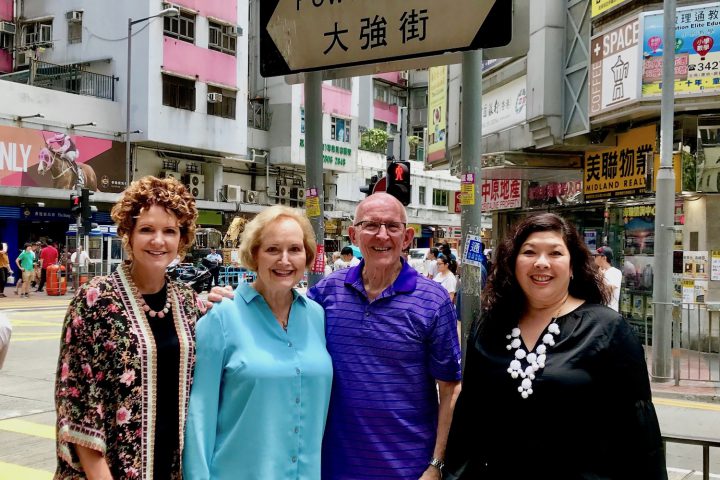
368	189
398	181
87	211
75	204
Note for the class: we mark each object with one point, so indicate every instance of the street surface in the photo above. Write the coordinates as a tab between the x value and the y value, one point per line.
27	415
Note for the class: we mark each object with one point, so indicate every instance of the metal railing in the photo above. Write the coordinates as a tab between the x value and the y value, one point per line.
703	442
65	78
696	343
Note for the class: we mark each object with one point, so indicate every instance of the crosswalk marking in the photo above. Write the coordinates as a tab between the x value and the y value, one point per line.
17	425
8	471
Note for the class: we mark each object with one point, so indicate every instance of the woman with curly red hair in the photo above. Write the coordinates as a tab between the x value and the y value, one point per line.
127	351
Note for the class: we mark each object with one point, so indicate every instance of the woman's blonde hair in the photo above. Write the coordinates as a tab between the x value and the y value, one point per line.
167	193
252	234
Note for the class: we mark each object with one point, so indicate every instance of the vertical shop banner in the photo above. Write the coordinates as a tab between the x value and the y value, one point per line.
615	67
437	114
621	170
715	265
501	194
601	6
697	50
39	158
504	106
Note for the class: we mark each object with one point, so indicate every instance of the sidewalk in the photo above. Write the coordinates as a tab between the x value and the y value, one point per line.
35	300
687	390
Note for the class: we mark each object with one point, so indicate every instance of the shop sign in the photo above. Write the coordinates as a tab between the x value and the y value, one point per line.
331	227
621	170
501	194
601	6
41	158
337	156
554	193
715	266
614	67
504	107
437	114
677	168
697	50
456	206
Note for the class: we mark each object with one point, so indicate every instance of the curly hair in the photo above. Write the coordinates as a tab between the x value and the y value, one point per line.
504	299
252	235
164	192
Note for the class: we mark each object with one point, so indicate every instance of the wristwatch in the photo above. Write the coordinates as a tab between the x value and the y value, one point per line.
437	463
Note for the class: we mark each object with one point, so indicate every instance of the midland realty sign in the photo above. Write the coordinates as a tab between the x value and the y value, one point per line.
305	35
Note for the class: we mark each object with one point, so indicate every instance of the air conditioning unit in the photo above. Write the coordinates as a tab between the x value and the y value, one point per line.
252	196
232	30
74	16
404	75
233	193
214	97
170	174
283	194
196	184
8	27
297	196
23	59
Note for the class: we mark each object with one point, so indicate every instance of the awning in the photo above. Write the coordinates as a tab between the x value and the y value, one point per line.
539	167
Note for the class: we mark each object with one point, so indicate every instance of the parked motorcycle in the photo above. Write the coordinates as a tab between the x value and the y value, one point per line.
196	277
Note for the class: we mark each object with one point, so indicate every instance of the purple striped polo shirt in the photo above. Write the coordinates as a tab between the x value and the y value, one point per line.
386	355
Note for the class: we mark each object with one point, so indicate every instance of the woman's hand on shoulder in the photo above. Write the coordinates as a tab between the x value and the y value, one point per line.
217	294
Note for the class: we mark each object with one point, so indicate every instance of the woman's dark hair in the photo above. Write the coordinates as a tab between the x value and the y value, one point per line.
504	300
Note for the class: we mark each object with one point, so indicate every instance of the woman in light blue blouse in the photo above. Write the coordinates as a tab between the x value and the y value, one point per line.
263	375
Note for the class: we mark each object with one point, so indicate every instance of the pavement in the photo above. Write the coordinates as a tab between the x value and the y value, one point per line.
687	390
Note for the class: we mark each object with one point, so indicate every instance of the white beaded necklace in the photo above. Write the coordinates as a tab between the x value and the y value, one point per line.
534	360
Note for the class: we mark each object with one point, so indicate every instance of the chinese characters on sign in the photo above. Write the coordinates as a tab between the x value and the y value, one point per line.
500	194
467	189
504	107
312	202
621	170
473	253
437	113
554	193
614	67
697	50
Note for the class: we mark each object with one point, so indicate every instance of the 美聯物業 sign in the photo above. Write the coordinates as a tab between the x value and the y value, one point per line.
620	170
697	50
305	35
614	67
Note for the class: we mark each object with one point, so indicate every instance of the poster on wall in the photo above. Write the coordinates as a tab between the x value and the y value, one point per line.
50	159
437	114
638	273
614	67
639	222
697	50
695	265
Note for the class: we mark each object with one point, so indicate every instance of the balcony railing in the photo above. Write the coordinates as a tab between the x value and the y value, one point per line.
65	78
259	116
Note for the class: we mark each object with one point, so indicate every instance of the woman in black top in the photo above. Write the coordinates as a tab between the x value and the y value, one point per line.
555	384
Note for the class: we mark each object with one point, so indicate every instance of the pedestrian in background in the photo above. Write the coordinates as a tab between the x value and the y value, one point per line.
127	350
213	262
555	383
25	263
611	275
263	374
48	256
445	277
4	268
347	259
431	268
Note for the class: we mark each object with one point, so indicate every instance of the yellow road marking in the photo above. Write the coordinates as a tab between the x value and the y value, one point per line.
8	471
672	402
17	425
35	323
14	339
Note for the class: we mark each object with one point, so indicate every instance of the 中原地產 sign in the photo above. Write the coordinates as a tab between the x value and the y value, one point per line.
305	35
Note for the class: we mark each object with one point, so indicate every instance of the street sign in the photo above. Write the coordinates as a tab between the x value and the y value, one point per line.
306	35
473	252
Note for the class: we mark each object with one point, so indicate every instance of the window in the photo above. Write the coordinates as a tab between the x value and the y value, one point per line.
74	22
178	92
37	33
344	83
421	195
440	197
418	98
340	129
419	132
380	93
226	108
380	125
223	38
182	27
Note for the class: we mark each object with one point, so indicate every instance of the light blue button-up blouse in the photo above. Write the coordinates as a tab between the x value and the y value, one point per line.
260	394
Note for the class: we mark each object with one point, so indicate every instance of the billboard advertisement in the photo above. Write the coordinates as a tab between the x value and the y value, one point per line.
52	159
602	6
504	106
697	50
437	114
614	67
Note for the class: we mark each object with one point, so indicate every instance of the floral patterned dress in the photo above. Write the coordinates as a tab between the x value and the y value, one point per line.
106	385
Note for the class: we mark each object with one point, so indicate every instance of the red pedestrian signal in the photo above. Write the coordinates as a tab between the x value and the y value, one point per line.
75	204
398	178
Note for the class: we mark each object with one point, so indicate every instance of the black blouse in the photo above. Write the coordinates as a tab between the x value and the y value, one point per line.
590	415
167	433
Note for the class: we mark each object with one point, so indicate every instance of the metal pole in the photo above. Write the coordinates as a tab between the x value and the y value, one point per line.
128	173
314	155
664	203
403	133
471	217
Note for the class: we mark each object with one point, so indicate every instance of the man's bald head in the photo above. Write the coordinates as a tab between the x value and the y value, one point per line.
380	200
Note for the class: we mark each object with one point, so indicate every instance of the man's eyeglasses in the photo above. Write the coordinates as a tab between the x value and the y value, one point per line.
373	227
